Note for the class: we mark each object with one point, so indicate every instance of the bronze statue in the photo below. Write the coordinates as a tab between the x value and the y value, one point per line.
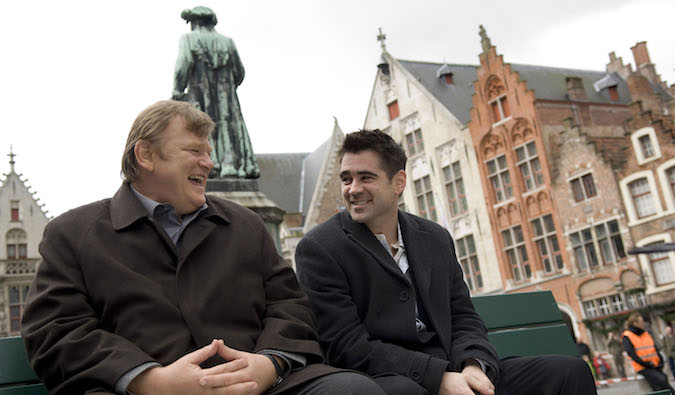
209	67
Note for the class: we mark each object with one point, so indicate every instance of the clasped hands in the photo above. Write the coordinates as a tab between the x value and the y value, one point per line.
471	380
244	373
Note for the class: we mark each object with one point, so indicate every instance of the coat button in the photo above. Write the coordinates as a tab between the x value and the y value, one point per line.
403	296
415	375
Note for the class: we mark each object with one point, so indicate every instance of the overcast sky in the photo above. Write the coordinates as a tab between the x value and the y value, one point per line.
76	74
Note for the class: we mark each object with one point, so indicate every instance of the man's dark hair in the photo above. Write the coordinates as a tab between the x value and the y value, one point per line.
391	154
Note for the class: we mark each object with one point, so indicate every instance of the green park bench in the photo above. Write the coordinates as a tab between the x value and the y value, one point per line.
525	324
16	375
518	324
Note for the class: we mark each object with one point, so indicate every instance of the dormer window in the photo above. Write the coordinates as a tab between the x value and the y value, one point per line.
613	93
448	78
445	73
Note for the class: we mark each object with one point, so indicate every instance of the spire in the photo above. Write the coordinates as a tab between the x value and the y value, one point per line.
381	38
11	160
484	39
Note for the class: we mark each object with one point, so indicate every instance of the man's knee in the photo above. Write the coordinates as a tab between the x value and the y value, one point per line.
349	383
399	385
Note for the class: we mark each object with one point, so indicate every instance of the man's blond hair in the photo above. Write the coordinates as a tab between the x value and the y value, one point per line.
151	124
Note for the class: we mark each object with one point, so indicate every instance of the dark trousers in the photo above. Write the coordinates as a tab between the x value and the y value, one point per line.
618	361
342	383
541	375
671	362
657	379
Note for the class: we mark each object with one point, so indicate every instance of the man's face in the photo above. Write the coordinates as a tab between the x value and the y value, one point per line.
180	166
370	196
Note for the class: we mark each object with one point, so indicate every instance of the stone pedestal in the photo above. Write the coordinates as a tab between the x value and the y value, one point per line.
245	193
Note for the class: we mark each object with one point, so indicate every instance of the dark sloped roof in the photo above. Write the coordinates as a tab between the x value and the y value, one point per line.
548	83
457	96
312	169
280	179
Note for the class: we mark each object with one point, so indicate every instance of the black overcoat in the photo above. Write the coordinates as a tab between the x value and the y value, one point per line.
365	305
111	293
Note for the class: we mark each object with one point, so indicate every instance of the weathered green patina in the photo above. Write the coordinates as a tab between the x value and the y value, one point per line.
209	67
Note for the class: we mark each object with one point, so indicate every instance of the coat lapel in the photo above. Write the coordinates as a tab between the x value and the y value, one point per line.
364	238
421	257
201	228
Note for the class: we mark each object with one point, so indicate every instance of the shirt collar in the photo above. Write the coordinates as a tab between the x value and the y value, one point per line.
398	245
151	205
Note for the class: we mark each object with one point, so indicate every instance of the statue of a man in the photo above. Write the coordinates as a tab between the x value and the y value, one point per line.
209	67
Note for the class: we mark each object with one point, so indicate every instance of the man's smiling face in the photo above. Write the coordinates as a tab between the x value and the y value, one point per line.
371	197
180	166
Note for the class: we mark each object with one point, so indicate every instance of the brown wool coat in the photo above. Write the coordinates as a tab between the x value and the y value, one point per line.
111	294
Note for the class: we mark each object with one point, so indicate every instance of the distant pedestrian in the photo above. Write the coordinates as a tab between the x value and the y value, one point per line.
615	347
669	347
646	360
601	367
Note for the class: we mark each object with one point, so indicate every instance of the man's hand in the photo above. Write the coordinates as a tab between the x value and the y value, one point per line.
259	370
470	381
185	376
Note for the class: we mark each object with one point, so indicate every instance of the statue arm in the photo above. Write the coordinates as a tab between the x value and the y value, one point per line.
183	68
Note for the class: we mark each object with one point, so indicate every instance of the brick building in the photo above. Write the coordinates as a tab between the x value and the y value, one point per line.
551	142
22	221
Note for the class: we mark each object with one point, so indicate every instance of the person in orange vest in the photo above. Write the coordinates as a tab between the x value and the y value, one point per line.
645	357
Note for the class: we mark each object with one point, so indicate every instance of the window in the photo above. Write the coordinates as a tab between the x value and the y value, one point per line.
448	78
642	198
590	310
614	304
454	187
646	146
17	299
15	251
425	198
466	252
670	175
609	239
393	109
500	108
663	270
613	93
583	187
547	243
517	254
605	237
415	142
529	165
584	249
498	173
14	210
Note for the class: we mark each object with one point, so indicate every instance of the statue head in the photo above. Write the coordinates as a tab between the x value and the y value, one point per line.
151	124
200	15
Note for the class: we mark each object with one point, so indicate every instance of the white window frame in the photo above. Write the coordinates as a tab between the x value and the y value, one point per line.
645	262
637	147
627	196
665	184
499	174
527	162
502	118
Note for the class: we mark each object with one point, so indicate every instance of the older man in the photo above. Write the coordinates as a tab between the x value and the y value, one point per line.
164	290
389	296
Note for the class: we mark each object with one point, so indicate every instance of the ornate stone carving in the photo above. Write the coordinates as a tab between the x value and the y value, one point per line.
491	145
493	87
521	131
411	123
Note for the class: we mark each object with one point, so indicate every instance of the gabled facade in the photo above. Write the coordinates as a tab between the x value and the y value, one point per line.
549	145
306	186
22	222
424	107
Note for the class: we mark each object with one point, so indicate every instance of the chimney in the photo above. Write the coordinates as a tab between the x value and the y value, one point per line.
641	55
575	88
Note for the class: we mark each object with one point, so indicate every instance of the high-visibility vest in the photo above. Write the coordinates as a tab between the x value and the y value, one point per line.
644	348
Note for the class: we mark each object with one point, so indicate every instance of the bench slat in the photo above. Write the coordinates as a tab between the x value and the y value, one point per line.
554	339
31	389
14	366
517	310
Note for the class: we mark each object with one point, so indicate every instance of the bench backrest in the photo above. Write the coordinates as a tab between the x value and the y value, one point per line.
523	324
16	375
